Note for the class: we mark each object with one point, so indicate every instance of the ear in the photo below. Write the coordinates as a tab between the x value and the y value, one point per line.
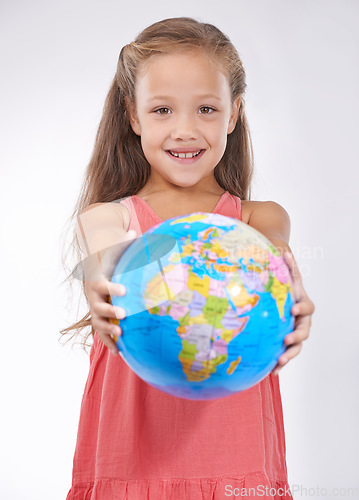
131	111
234	115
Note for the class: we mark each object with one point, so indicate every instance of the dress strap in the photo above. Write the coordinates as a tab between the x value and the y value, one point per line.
134	219
230	206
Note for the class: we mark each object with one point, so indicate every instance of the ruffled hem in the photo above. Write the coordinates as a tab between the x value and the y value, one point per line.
254	485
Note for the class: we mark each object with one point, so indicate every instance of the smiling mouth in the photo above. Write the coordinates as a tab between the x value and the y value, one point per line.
185	155
186	158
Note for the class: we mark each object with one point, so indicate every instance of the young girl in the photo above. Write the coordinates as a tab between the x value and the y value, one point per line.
173	140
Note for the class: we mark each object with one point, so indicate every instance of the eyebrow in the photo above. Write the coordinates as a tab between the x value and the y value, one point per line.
167	97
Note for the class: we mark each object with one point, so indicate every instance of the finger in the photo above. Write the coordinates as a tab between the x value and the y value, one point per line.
107	310
105	327
302	321
303	307
109	342
289	354
106	287
298	335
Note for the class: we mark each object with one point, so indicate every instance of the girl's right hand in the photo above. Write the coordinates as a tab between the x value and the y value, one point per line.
102	311
105	318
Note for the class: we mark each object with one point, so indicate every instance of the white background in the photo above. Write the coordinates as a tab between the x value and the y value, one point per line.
57	62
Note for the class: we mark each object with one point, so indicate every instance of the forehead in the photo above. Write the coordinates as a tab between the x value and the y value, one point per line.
179	72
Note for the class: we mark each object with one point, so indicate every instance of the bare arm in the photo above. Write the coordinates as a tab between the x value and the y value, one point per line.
102	238
273	221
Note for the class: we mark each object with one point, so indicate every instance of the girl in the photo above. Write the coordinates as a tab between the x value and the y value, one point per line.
173	140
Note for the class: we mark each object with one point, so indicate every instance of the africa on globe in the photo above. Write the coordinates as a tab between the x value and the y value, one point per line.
207	303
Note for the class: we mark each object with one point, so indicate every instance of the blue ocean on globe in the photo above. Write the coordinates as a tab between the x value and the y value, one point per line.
207	303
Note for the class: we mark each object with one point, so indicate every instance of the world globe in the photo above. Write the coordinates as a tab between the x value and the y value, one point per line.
207	303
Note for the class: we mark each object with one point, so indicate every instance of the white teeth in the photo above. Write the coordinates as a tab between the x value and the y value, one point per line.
185	155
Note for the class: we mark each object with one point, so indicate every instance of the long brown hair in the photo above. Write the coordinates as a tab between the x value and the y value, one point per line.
118	167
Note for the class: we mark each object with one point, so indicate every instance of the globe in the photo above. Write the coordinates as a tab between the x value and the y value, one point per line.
207	303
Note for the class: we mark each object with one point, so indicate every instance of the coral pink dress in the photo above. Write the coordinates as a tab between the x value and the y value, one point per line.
135	442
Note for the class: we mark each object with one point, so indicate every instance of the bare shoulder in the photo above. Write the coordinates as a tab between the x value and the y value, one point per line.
268	217
101	225
247	207
260	206
108	213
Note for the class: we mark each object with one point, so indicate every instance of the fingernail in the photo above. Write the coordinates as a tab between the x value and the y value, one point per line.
114	352
117	331
120	313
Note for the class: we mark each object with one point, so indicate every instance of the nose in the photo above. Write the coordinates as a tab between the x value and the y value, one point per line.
184	127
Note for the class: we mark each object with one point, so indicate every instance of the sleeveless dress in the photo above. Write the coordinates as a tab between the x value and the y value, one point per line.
135	442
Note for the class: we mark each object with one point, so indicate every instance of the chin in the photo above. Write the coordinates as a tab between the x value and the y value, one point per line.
185	180
183	184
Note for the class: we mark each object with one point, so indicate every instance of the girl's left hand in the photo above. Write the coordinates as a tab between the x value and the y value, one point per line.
302	310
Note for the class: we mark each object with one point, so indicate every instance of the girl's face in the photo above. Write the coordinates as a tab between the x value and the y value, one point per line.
183	105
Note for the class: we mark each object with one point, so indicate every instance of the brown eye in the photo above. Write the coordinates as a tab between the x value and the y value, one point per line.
160	109
207	107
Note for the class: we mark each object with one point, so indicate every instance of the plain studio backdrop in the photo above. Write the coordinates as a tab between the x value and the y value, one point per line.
58	59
